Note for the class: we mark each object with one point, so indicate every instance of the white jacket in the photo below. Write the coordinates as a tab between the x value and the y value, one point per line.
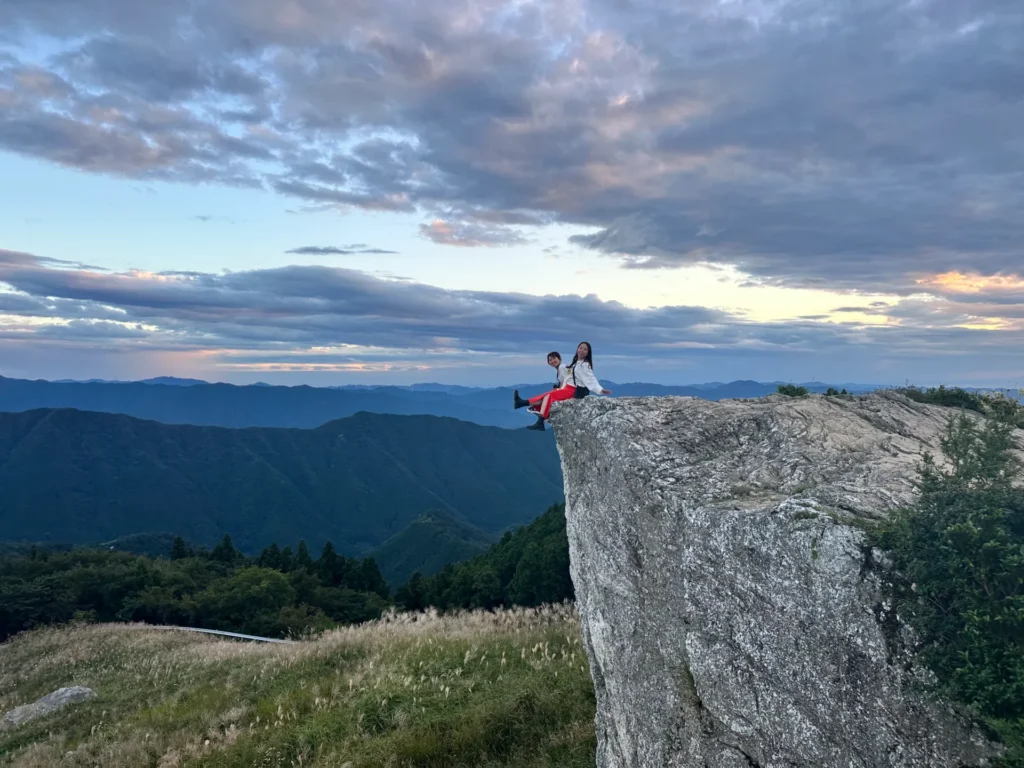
582	375
563	374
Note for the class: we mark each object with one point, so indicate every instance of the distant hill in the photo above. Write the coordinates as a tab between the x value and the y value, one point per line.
427	544
77	476
148	544
173	381
528	566
228	405
189	401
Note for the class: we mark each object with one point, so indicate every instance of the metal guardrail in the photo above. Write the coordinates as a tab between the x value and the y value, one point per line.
232	634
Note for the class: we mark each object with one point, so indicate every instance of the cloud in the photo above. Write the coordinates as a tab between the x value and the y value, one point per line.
470	234
319	318
330	250
298	307
849	145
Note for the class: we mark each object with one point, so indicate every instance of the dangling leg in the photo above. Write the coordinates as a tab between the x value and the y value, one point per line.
538	424
545	406
543	403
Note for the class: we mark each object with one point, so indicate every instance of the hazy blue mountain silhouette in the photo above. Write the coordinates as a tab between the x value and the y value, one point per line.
79	476
186	401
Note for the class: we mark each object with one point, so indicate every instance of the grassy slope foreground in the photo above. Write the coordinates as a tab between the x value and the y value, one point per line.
478	689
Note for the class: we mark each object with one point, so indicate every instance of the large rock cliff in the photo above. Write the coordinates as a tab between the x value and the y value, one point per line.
732	612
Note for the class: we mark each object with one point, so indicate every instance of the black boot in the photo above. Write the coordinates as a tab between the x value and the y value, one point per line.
520	403
538	425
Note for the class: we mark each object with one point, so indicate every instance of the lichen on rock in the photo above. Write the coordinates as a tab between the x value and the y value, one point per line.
732	611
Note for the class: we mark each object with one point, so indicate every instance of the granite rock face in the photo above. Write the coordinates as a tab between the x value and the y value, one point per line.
44	706
732	613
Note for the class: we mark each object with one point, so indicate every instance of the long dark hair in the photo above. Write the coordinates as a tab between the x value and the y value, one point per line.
589	359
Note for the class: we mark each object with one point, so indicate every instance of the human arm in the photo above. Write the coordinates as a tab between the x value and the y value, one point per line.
585	378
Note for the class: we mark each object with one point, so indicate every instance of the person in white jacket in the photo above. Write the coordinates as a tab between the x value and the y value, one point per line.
579	382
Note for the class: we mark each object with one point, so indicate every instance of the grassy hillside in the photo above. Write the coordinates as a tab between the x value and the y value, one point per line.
429	543
505	689
78	476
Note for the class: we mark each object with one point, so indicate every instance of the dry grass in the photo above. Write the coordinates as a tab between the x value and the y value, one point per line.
475	689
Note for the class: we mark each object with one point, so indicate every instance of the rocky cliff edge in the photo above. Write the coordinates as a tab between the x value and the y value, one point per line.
732	612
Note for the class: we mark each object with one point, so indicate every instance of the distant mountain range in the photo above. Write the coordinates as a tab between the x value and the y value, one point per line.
188	401
77	476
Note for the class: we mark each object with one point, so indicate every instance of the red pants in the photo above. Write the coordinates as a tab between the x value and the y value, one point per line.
554	396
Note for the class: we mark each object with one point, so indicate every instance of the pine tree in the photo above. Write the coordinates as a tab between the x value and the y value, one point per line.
302	559
413	595
178	549
287	560
270	557
330	566
224	552
371	579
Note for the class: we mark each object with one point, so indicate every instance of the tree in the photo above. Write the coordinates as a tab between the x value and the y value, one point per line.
296	620
348	606
250	600
542	575
287	560
527	567
225	551
412	596
178	549
486	589
306	586
302	558
791	390
270	558
959	559
330	566
365	576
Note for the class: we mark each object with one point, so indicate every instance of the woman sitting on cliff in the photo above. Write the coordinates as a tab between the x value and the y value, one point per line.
579	382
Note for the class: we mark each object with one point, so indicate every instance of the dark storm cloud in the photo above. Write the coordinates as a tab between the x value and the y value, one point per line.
849	144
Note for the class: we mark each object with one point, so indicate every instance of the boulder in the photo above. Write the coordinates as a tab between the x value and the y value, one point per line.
733	614
59	699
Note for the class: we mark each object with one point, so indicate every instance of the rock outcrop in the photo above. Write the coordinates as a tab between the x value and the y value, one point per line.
50	703
732	613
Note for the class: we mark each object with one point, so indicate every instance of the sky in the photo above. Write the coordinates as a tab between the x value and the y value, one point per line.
391	191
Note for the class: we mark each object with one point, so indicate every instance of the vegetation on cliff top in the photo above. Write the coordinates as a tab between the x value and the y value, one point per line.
959	556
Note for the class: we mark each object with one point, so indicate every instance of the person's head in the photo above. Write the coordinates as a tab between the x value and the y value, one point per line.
584	352
554	359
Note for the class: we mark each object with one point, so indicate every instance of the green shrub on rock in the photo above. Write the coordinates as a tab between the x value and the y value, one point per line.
791	390
959	556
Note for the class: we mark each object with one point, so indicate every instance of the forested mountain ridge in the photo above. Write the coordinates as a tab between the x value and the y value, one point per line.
187	401
76	476
426	545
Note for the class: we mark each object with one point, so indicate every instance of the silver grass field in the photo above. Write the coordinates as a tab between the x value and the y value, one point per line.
469	689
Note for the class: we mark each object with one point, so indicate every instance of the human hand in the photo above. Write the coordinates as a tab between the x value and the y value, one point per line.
606	391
